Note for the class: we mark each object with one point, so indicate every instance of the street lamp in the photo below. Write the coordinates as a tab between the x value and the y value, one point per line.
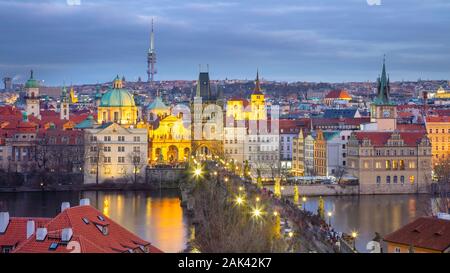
257	199
226	179
275	213
239	200
291	234
354	236
329	217
304	202
197	172
256	213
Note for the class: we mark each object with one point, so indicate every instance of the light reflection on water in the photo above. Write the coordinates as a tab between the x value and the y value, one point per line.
159	219
369	214
156	218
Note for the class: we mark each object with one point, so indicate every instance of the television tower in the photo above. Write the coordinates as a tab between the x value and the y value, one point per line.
151	58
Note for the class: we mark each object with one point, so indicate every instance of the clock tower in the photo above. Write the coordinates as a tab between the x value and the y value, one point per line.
383	111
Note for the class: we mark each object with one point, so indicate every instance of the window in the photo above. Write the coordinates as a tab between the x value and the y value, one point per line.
378	179
397	250
395	179
394	164
402	179
121	159
388	164
53	246
137	139
388	179
107	149
412	165
107	138
121	138
402	164
377	165
121	149
411	179
136	149
107	159
85	220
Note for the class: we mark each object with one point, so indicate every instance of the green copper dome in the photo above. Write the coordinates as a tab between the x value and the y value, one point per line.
117	96
32	83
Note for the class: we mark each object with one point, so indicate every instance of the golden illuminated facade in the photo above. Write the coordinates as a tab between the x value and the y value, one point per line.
438	129
117	105
170	142
241	109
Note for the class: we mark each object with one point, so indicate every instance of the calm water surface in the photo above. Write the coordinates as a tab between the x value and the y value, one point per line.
155	216
158	217
369	214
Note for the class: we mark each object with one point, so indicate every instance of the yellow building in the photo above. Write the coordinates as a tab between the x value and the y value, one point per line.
241	109
298	155
117	105
320	154
438	129
442	94
170	141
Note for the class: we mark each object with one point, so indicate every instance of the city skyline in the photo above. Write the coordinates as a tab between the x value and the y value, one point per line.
94	41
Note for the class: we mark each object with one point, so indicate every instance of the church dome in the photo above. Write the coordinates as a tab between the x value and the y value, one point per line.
117	96
32	83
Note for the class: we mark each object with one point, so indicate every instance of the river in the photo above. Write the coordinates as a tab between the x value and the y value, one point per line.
158	217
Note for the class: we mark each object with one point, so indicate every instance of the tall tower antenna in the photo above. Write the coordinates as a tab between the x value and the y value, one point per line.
151	58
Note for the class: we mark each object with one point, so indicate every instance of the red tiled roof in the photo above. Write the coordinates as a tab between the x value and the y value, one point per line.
438	119
425	232
347	121
338	94
90	238
16	231
411	127
381	138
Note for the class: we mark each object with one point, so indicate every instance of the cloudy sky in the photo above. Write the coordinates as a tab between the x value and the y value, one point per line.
289	40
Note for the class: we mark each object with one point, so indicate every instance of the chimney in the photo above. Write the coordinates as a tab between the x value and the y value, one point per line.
30	228
41	233
85	202
4	221
64	206
66	234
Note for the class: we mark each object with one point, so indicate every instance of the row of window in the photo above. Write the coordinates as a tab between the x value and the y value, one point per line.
108	170
120	159
436	131
394	179
119	138
136	149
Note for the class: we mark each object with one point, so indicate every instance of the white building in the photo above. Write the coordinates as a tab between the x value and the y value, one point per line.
115	153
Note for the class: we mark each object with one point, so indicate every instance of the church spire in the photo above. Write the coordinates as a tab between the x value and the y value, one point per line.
257	89
383	88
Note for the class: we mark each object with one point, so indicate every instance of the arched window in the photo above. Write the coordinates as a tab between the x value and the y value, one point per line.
388	179
395	179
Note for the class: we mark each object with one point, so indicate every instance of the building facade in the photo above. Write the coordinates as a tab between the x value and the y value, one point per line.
390	162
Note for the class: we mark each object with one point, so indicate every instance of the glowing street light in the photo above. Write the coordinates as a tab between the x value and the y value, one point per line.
257	199
291	234
197	172
241	188
329	217
226	179
239	200
354	236
256	213
275	213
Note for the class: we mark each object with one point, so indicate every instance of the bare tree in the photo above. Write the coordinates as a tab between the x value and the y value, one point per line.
441	202
340	172
138	161
93	153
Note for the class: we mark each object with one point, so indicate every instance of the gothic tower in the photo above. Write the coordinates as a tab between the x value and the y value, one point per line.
383	110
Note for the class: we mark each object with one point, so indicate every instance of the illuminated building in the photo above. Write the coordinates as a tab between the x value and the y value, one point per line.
207	120
117	105
438	128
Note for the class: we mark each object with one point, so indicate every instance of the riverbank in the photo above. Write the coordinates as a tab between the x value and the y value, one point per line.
90	187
